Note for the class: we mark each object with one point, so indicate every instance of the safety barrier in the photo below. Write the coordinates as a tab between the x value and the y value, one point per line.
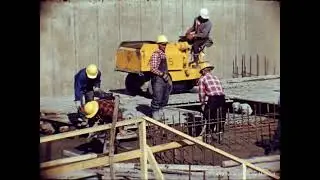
145	153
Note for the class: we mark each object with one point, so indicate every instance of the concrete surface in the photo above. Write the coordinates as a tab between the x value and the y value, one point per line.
212	172
76	33
137	106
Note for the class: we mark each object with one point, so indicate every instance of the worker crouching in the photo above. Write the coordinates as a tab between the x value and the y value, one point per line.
214	110
86	82
101	112
160	80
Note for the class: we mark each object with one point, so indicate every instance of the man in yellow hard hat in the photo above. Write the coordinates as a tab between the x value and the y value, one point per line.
101	112
160	79
86	82
210	89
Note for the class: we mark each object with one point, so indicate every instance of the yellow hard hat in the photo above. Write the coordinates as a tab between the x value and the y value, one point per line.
92	71
162	39
206	65
91	108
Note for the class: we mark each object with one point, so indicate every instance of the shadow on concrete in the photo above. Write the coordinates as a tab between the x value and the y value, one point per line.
125	92
145	109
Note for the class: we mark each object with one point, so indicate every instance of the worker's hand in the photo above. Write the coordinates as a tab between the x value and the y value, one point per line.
190	36
203	107
166	77
96	89
78	104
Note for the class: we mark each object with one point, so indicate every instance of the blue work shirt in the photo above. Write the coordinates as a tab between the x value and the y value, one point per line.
84	84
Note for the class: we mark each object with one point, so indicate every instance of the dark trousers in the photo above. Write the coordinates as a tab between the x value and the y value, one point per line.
215	113
198	46
161	92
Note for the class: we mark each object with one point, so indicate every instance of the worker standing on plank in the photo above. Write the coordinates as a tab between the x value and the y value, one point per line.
210	87
86	82
160	80
198	34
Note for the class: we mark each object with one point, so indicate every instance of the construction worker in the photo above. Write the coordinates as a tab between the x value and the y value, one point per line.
198	34
100	112
86	82
160	80
210	87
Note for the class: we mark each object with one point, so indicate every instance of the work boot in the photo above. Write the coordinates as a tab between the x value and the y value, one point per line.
156	115
161	114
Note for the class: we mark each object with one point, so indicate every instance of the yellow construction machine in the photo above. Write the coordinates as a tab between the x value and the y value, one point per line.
133	57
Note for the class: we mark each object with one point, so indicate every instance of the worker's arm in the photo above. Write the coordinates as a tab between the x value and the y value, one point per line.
205	31
78	80
192	28
97	82
202	95
154	64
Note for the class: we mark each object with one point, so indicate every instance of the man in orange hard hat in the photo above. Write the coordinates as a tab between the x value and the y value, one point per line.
86	82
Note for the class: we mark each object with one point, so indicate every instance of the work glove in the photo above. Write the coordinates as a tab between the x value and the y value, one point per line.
78	104
165	77
203	107
96	89
190	36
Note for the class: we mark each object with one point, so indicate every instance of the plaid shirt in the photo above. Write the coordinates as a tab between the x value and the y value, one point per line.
155	61
209	85
105	111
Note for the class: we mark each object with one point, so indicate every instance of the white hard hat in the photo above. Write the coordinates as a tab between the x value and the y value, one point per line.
204	13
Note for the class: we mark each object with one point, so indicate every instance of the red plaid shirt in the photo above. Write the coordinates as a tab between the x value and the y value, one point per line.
105	111
155	61
209	85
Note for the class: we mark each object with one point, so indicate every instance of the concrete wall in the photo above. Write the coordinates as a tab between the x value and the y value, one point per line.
76	33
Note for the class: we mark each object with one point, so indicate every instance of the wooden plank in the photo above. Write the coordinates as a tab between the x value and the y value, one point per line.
143	150
154	165
210	147
112	135
87	130
104	160
254	160
244	172
68	160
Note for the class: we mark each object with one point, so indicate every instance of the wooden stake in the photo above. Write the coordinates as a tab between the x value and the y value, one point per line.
154	165
112	136
143	150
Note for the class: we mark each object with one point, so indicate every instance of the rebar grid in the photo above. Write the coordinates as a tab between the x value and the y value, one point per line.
242	133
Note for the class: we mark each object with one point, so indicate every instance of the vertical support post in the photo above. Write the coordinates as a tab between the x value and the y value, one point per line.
154	165
250	66
143	149
244	171
112	135
242	66
258	65
245	66
265	65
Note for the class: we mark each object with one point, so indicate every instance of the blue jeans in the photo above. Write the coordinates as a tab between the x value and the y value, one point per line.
161	92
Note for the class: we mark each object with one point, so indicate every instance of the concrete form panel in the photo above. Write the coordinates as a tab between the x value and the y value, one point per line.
151	20
109	40
171	18
130	19
63	50
46	70
86	16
